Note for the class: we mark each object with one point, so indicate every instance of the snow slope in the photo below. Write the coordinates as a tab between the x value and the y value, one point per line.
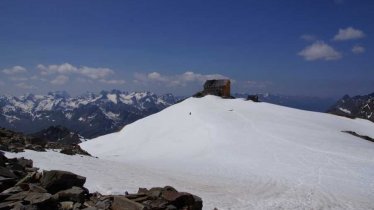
235	154
287	157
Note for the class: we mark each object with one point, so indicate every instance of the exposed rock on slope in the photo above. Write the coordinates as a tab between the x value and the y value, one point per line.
58	134
17	142
357	106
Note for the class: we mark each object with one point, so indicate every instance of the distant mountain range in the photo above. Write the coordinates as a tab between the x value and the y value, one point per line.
90	115
357	106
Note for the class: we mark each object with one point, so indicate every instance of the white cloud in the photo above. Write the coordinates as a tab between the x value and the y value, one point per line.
15	70
349	34
66	68
95	73
357	49
308	37
60	80
24	86
2	83
175	80
155	76
112	81
320	51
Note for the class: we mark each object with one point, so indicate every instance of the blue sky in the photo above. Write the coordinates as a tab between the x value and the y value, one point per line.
312	47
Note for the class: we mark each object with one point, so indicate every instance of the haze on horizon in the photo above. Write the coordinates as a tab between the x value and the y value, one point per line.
310	48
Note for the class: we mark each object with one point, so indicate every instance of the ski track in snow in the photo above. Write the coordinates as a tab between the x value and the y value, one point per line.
234	154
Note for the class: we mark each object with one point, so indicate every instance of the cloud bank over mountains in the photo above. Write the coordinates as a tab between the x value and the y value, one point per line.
64	75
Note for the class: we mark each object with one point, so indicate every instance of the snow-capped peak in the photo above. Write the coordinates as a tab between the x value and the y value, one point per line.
95	114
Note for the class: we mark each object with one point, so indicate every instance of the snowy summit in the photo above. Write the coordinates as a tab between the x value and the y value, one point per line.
243	155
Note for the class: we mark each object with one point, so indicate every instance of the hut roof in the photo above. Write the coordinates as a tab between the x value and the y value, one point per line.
216	83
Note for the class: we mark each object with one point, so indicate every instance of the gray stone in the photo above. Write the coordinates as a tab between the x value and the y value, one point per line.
66	205
36	188
37	198
55	180
75	194
5	172
123	203
17	197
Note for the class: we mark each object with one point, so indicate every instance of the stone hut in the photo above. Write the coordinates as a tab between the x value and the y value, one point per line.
219	87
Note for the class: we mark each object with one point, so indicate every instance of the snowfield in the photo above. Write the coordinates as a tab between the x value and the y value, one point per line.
235	154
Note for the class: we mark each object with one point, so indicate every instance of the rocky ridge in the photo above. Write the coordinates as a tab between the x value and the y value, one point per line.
58	134
355	107
17	142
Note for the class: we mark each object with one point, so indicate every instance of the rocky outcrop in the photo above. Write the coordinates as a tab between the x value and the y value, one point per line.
17	142
368	138
23	187
58	134
357	106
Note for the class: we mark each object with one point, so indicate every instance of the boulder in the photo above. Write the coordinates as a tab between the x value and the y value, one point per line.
7	173
5	183
37	198
123	203
66	205
25	162
3	159
56	180
75	194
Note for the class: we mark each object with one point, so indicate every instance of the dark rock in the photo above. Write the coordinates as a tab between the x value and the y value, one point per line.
36	188
7	205
4	196
253	98
74	150
123	203
5	172
20	206
91	208
171	207
37	198
3	159
56	180
18	196
25	162
359	136
29	178
16	189
5	183
37	148
58	134
36	141
355	107
104	203
75	194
